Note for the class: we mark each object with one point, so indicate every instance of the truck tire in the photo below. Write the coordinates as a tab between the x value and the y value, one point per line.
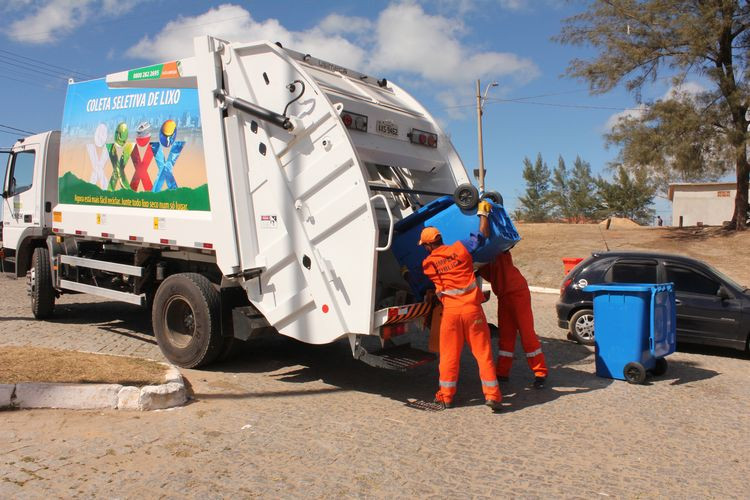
40	284
186	318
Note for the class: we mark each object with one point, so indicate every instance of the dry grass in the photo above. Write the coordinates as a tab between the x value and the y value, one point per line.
540	252
35	364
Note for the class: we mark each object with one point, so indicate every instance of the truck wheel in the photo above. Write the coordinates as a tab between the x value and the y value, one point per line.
634	373
581	327
466	196
40	284
494	197
186	318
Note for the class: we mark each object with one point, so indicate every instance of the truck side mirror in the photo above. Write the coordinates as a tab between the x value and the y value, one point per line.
723	293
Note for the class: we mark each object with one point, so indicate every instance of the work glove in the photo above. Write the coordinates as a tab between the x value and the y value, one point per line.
484	208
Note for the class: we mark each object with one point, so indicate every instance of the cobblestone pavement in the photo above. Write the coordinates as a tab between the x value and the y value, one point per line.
297	421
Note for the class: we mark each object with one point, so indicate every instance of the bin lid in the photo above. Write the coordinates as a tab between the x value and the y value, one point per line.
627	287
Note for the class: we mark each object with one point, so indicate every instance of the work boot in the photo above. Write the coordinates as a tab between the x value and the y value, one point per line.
494	405
539	382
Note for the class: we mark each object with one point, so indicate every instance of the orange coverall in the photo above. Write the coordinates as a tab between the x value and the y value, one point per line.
514	315
451	269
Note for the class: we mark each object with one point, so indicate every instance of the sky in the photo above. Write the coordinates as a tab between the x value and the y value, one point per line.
435	50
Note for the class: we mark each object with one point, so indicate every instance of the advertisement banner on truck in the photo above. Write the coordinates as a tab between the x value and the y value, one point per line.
132	148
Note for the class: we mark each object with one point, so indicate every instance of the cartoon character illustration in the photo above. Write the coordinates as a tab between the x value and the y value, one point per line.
142	139
119	162
98	177
167	139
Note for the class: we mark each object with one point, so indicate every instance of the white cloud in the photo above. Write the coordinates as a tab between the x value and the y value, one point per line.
628	113
686	90
336	23
53	19
412	41
404	39
233	22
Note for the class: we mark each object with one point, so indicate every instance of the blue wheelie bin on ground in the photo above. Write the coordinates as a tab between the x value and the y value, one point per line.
634	329
454	224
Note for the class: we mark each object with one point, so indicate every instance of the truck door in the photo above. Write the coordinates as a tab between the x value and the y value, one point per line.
21	202
302	204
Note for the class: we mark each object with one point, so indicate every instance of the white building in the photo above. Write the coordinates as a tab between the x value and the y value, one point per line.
702	203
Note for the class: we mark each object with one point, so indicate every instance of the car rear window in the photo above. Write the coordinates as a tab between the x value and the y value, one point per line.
634	271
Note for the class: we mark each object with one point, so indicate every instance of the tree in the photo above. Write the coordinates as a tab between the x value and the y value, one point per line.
636	40
629	195
584	198
536	205
560	192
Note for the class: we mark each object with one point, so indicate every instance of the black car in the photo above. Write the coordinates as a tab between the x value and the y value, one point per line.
711	308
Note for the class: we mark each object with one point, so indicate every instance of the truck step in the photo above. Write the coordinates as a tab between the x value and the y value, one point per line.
399	358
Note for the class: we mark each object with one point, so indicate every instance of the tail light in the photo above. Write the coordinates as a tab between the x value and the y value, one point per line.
423	138
393	330
354	121
565	285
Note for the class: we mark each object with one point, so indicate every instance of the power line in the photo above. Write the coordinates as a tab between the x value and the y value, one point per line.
27	68
17	129
69	70
559	105
30	82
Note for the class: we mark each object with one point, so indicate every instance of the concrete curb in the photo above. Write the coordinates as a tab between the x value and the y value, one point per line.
96	396
541	289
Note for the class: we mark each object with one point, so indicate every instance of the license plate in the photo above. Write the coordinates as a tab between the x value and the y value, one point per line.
387	128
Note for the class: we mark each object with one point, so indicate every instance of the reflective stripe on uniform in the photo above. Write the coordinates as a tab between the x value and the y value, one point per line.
505	354
444	383
490	383
534	353
458	291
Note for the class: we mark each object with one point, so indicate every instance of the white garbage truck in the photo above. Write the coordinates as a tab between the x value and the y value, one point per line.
245	189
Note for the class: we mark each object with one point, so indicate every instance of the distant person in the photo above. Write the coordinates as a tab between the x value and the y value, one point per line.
514	316
451	269
659	222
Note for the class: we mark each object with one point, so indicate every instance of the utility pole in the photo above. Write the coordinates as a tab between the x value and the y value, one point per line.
480	100
479	139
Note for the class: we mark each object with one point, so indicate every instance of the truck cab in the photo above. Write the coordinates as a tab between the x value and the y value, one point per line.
28	194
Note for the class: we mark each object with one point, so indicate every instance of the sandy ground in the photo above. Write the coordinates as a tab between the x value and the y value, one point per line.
288	420
540	252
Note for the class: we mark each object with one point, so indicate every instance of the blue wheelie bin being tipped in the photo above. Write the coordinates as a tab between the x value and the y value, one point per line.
634	329
454	224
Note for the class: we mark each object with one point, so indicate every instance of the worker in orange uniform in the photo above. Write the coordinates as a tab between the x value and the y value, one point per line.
451	269
515	316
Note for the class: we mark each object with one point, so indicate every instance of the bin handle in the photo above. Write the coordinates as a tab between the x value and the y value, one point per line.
391	222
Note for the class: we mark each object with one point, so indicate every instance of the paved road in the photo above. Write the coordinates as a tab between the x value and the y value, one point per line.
297	421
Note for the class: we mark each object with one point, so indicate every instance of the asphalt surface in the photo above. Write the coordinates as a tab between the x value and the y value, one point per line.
289	420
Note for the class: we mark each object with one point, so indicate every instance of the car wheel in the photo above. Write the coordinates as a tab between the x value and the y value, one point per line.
634	373
660	368
581	327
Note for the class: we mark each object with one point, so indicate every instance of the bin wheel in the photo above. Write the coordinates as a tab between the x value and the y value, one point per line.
494	197
660	368
634	373
466	196
581	327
